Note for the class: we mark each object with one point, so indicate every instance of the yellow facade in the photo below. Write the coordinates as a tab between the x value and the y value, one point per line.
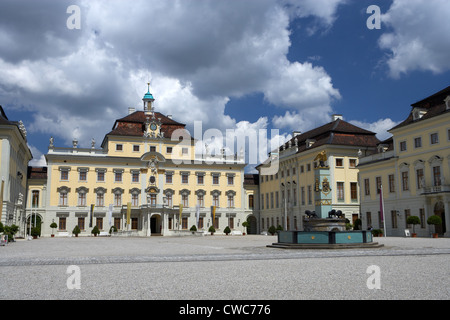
143	162
286	195
413	169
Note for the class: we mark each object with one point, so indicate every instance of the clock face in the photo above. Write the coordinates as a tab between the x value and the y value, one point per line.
153	126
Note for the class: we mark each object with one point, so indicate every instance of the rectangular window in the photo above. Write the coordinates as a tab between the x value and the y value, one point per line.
135	176
405	184
407	214
309	195
403	146
117	223
391	183
394	219
83	175
216	201
419	178
185	200
230	180
100	223
272	203
81	223
340	191
369	219
63	199
277	199
135	199
118	177
153	200
216	179
418	142
422	217
136	148
168	178
303	195
184	179
352	163
117	199
64	175
339	162
134	223
230	201
262	201
201	201
100	176
367	187
82	199
354	191
200	179
378	182
250	201
169	150
434	138
100	199
152	148
119	147
35	199
169	200
62	224
437	176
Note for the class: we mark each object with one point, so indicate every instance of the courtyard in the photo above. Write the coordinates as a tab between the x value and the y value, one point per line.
221	268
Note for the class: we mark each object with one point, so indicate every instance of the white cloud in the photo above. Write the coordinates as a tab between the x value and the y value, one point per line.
380	127
89	77
419	38
38	157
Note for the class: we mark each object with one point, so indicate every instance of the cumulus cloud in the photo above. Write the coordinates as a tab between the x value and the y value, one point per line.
380	127
75	83
418	41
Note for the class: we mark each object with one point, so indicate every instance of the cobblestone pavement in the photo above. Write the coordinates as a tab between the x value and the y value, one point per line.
220	267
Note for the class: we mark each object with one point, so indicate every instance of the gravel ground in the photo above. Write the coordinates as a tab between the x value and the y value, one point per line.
221	268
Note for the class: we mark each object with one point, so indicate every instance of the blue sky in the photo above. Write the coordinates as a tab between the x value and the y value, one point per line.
251	64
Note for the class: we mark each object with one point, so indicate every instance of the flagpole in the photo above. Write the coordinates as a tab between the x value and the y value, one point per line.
382	210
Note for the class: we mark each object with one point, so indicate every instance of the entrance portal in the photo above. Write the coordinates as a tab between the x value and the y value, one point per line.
155	224
439	210
252	225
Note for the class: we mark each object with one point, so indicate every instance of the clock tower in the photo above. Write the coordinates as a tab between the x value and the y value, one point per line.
148	102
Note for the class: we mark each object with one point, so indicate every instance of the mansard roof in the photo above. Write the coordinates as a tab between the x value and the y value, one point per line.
432	106
134	125
338	132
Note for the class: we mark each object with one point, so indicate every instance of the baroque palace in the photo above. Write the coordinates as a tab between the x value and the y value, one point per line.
146	178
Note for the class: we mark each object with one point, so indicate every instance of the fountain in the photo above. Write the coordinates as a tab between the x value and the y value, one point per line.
325	227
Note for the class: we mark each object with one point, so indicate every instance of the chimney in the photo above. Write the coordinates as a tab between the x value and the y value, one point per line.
169	116
335	117
296	133
131	110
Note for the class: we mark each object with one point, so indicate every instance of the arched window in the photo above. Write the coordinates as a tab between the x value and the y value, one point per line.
35	199
63	196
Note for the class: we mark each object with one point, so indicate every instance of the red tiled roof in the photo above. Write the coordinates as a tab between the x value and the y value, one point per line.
37	172
134	125
338	132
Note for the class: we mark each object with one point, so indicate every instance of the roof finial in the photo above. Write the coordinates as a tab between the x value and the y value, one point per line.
148	86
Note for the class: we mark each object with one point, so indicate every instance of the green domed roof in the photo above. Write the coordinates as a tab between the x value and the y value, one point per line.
148	96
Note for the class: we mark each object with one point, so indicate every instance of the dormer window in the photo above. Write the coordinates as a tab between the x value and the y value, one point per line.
447	103
310	142
418	113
